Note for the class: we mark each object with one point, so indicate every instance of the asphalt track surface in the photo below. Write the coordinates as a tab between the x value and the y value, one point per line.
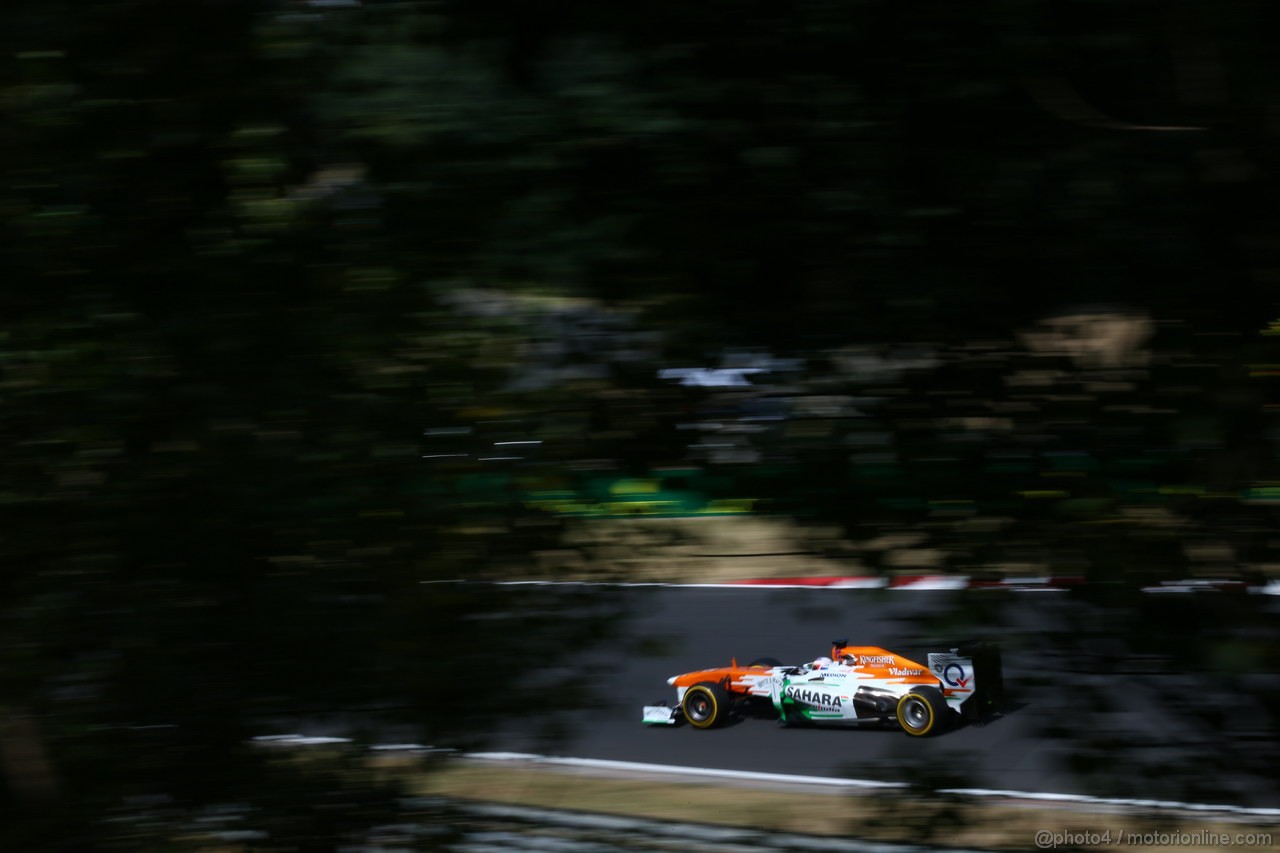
1080	721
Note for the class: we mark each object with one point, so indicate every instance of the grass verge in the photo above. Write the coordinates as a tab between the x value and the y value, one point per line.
895	817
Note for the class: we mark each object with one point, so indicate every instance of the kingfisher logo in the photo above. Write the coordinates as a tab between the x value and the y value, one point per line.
876	660
954	676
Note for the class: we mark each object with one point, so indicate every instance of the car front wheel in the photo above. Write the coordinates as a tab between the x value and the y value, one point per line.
705	705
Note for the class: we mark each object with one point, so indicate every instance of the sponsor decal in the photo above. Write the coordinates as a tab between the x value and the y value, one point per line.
876	660
821	701
953	675
758	683
894	670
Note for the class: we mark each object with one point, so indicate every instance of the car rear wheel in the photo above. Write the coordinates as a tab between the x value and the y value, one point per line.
923	711
765	662
705	705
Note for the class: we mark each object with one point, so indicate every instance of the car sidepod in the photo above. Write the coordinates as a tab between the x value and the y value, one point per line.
815	700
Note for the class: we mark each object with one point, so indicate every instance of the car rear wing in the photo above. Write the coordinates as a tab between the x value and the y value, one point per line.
972	678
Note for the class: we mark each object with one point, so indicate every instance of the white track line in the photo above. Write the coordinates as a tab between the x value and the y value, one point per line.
956	584
872	583
666	769
826	781
665	585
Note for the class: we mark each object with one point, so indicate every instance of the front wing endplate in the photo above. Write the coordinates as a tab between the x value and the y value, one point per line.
659	715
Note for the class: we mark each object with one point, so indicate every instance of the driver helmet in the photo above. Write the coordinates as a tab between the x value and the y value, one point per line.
821	663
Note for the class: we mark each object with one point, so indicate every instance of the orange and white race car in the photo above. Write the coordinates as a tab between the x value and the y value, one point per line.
856	685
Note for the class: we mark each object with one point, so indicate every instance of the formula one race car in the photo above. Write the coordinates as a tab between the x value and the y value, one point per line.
857	685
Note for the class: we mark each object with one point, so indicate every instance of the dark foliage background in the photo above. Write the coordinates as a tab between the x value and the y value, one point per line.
252	250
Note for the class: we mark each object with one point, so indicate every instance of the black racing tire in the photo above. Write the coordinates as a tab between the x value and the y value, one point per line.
765	662
923	712
705	705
